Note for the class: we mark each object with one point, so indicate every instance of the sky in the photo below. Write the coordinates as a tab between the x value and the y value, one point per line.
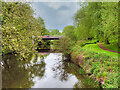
56	15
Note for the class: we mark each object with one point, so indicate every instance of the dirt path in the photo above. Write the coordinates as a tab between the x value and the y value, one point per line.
101	45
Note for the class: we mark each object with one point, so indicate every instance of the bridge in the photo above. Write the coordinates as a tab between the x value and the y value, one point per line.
46	39
50	38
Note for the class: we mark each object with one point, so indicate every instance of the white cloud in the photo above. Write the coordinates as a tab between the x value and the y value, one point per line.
56	0
56	14
65	15
56	5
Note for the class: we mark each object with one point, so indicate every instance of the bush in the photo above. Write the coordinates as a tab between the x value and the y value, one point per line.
63	45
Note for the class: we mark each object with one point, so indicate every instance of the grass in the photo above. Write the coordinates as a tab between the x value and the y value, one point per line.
95	48
100	63
112	47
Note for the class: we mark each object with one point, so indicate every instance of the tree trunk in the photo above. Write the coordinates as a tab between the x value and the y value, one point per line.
119	42
106	40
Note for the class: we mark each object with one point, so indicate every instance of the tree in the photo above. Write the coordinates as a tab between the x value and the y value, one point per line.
54	32
18	27
69	32
98	20
87	20
109	15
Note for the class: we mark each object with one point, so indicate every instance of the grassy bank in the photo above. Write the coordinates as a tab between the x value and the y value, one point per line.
100	64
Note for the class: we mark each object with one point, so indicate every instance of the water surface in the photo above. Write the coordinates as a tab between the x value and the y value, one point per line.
46	70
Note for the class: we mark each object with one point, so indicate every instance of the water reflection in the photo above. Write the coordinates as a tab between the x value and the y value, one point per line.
20	74
61	69
53	79
44	70
65	70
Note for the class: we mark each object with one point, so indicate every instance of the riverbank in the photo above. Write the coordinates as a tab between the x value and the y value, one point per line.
99	64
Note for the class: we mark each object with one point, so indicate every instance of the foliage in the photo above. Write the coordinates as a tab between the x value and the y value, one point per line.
64	45
109	16
97	20
68	31
102	65
18	28
81	71
54	32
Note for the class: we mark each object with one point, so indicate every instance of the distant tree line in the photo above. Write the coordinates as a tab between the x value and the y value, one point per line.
54	32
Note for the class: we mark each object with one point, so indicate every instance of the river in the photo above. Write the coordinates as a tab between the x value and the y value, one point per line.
45	70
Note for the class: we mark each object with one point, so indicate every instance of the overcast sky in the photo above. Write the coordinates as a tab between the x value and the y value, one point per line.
56	15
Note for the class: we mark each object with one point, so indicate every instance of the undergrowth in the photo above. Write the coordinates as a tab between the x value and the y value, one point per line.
102	66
